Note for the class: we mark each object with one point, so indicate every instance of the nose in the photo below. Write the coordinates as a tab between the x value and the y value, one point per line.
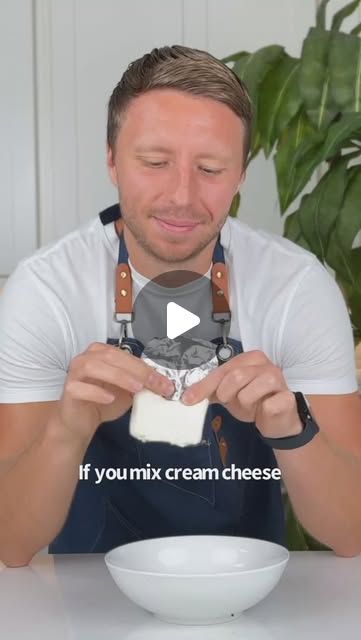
182	189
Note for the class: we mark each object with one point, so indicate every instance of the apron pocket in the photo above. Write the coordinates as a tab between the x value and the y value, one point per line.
115	530
170	458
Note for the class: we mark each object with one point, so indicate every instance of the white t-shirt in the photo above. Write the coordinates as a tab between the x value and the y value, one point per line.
284	303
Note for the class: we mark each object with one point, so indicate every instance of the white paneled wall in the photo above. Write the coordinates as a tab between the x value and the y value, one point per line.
86	48
66	57
18	222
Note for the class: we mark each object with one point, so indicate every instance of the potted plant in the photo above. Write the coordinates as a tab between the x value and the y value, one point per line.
307	115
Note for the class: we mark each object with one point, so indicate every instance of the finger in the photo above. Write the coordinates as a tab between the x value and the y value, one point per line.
277	415
101	371
131	379
89	392
234	381
254	357
151	379
159	384
251	397
204	388
264	385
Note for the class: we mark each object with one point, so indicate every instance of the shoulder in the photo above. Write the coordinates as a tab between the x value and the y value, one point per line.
265	265
55	301
290	306
72	248
68	276
261	244
270	277
65	267
274	272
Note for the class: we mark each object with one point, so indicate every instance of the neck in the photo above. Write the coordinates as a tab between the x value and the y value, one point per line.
151	267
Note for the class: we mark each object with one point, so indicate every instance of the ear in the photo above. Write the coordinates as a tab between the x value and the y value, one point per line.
111	166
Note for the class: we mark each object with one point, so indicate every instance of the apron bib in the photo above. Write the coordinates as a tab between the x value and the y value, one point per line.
115	512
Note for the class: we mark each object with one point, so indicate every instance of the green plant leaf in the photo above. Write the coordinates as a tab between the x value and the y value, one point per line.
302	242
355	261
340	133
279	100
235	205
349	219
296	156
238	68
300	170
356	30
313	544
321	14
318	210
354	298
339	259
296	540
292	229
314	149
256	66
252	69
340	255
343	13
255	145
240	63
345	71
234	57
314	80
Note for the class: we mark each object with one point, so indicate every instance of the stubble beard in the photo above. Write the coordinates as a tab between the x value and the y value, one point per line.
172	257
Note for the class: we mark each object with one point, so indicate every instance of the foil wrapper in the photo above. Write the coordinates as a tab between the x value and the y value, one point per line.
183	360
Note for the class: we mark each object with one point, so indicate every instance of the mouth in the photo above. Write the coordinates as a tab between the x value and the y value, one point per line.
176	226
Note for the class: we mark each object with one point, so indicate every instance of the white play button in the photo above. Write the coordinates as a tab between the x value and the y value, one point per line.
179	320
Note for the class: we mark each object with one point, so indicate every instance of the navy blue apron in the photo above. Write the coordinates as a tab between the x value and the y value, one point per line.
115	512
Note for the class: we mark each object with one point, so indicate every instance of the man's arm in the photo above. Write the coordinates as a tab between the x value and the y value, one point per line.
38	475
42	446
323	478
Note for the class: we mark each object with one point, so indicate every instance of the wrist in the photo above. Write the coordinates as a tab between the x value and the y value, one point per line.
309	428
59	433
293	429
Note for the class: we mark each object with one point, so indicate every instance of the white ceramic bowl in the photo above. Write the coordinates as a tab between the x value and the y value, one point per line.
197	579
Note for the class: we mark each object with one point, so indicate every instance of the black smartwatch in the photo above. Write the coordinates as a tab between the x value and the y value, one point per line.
310	428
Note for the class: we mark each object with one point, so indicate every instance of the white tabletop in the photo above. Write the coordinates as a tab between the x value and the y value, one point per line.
74	597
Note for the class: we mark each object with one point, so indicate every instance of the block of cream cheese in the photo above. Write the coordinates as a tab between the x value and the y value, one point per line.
156	419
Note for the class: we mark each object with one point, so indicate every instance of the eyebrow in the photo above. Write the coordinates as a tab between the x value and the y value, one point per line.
162	149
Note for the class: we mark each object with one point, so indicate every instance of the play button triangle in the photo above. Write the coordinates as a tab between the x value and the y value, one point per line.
179	320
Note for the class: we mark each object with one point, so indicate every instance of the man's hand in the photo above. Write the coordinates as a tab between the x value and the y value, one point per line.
252	389
100	386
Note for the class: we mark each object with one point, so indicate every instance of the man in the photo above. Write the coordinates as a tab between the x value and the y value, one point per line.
178	137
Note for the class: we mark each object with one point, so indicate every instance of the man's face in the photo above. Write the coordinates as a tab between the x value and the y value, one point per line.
177	165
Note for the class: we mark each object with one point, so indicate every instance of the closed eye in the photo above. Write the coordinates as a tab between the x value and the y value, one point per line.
159	165
211	171
155	164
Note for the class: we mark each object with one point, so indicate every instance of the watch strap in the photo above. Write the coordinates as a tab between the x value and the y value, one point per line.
310	428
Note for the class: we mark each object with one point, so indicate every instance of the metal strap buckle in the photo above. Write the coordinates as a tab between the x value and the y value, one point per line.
224	351
124	319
